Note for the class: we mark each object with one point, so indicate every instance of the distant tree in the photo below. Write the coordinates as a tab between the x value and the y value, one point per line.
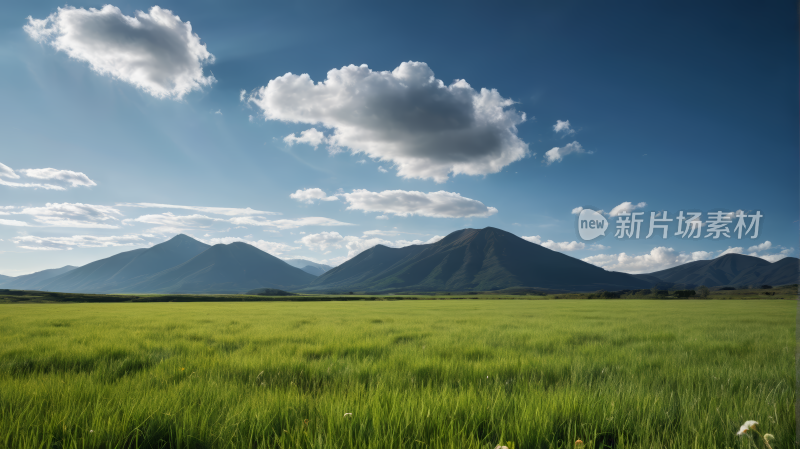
766	287
704	291
684	293
655	290
351	293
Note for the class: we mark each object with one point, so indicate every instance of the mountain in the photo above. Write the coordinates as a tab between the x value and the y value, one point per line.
233	268
114	274
302	264
33	280
470	259
313	270
4	279
733	270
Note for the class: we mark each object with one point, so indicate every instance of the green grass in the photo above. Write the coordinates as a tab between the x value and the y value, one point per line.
414	374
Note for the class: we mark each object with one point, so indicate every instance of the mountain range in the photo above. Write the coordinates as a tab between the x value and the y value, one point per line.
467	260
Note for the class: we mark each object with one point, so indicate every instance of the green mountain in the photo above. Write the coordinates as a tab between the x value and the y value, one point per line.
34	280
234	268
732	270
114	274
470	259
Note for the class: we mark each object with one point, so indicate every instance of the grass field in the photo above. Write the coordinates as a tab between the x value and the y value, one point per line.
414	374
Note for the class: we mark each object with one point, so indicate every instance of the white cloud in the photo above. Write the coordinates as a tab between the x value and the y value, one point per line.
62	178
761	247
273	248
403	203
556	154
309	136
732	250
577	210
177	222
229	211
242	94
659	258
361	161
78	241
7	172
322	241
425	128
73	215
250	118
154	51
219	112
74	179
382	170
556	246
382	217
308	196
288	224
598	247
434	239
13	222
563	127
626	207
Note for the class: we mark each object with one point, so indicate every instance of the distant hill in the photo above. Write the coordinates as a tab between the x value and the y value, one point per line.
302	264
4	279
33	280
470	259
116	273
732	270
234	268
269	292
313	270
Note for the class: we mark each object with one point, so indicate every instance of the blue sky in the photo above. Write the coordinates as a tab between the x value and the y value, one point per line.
680	106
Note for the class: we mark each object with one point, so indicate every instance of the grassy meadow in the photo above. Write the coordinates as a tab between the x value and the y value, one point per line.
396	374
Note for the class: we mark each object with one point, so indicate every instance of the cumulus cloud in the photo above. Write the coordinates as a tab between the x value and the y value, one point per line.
382	170
229	211
309	136
403	203
382	217
408	117
732	250
273	248
577	210
155	51
59	179
659	258
563	127
287	224
308	196
556	154
78	241
626	207
322	241
556	246
760	247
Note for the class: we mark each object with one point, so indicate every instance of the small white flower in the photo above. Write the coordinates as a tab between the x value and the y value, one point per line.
347	415
500	447
91	431
748	425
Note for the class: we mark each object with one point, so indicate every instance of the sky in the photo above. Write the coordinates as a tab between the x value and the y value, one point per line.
316	130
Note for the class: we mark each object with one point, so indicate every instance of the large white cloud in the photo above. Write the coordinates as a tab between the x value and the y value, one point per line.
556	154
408	117
563	127
59	179
155	51
308	196
659	258
322	241
439	204
229	211
79	241
286	223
